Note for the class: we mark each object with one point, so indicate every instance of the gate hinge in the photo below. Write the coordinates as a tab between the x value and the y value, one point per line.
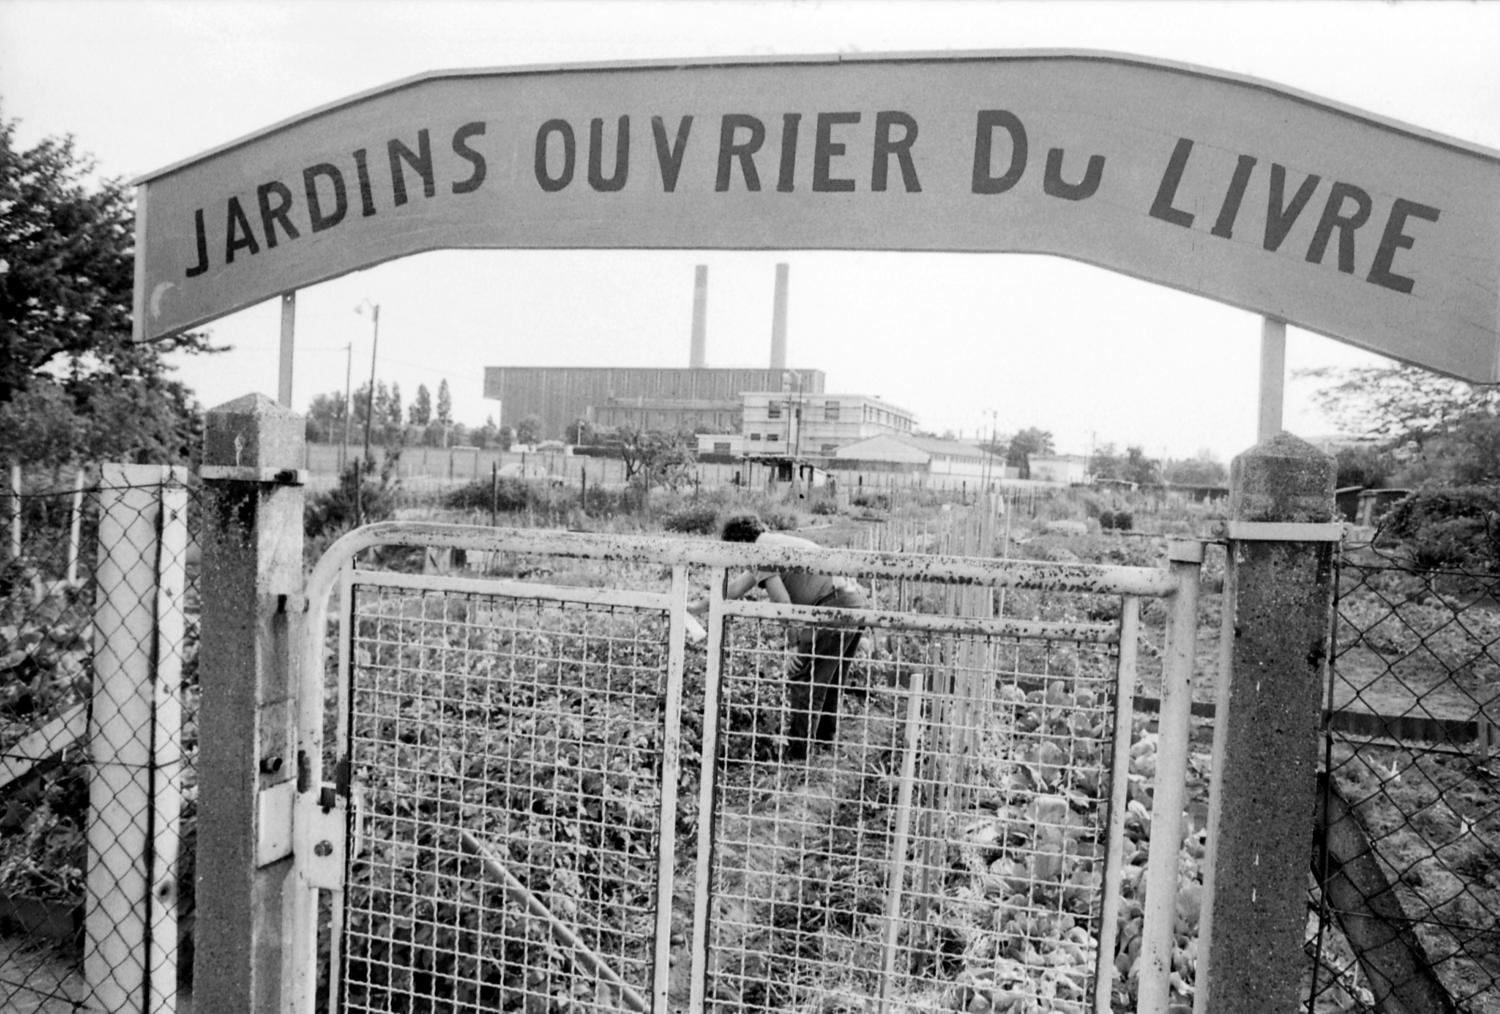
320	831
313	826
1279	531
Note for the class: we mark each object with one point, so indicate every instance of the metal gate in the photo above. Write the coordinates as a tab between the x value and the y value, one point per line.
548	789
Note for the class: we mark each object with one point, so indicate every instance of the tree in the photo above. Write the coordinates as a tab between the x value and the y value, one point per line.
529	429
654	458
1023	445
444	404
579	431
325	417
1139	469
1364	465
393	416
1203	470
1437	429
420	412
359	407
66	292
1106	462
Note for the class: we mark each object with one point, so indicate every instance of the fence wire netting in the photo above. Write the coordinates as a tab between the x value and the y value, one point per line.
1405	892
96	842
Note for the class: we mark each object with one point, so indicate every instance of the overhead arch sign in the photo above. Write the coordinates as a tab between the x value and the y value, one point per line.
1371	232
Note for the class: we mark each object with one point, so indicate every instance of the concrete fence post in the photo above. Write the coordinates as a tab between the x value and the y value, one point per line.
252	578
1278	601
135	740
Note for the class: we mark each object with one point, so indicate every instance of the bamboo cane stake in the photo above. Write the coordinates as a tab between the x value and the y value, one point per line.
564	934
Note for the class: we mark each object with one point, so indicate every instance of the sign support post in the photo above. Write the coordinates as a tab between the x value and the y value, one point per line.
1272	378
288	343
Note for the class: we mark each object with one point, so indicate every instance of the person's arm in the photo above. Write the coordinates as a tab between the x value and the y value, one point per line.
775	589
741	584
738	587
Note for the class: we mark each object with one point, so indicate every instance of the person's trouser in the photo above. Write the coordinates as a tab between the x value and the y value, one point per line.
823	655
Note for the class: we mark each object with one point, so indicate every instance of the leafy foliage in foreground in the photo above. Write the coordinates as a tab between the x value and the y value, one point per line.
73	384
1454	527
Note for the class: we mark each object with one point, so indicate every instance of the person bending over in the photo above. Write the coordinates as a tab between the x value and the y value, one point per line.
823	653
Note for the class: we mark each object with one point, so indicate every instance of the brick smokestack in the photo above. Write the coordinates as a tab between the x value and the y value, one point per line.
778	320
697	352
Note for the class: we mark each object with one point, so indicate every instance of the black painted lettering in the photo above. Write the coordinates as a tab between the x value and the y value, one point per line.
786	180
900	148
366	194
1161	207
462	149
1230	209
198	231
272	215
316	217
730	149
552	184
670	158
597	179
237	232
1395	238
825	150
1052	181
420	160
989	119
1280	215
1334	218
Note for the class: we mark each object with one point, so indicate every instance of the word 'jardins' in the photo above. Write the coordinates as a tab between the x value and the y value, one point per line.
1001	159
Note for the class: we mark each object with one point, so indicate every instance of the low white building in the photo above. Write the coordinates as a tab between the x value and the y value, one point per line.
1063	469
931	455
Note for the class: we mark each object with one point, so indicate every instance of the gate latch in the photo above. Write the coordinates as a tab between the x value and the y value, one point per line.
1279	531
320	830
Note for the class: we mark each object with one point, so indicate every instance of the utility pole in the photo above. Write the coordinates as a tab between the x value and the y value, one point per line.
348	406
370	397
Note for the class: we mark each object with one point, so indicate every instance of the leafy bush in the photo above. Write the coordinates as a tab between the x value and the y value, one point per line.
1121	521
339	508
606	501
874	501
780	520
45	667
824	507
508	494
693	519
1456	527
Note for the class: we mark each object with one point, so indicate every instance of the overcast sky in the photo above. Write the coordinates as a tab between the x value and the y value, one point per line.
966	341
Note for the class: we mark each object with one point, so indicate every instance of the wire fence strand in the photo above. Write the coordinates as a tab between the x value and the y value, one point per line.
1404	902
81	825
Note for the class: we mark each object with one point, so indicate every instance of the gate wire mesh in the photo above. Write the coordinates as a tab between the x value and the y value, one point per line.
1407	908
48	597
508	750
943	848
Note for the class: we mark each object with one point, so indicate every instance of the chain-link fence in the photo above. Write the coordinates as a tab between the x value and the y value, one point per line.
98	692
1405	899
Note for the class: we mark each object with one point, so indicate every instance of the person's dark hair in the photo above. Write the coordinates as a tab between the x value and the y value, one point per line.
743	528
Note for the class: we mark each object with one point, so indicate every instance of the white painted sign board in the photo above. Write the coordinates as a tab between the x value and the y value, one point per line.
1371	232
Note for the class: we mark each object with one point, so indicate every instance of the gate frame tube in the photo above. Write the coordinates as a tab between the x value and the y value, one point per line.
1178	585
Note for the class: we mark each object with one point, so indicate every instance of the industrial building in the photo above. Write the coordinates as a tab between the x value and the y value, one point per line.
653	398
772	411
